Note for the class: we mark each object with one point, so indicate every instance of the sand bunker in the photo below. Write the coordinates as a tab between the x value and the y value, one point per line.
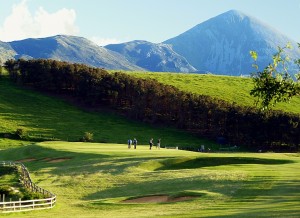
57	160
158	199
26	160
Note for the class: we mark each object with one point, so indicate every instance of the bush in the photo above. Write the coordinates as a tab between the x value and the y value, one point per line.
20	133
27	195
87	137
10	192
6	190
6	170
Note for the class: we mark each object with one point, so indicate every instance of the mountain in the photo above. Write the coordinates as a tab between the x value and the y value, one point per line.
153	57
221	44
6	52
72	49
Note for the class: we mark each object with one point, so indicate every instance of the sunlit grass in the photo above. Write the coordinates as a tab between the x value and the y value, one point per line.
229	88
95	179
46	116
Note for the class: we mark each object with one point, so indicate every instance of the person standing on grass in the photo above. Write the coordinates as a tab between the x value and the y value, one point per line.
134	143
202	149
129	143
151	143
158	144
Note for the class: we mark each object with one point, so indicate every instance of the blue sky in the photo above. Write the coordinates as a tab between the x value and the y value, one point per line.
114	21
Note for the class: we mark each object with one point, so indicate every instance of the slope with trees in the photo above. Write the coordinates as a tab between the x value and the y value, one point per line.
153	102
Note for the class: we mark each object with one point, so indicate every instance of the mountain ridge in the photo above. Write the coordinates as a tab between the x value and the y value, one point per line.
152	56
221	44
72	49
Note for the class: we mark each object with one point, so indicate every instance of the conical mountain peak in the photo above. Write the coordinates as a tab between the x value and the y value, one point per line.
221	44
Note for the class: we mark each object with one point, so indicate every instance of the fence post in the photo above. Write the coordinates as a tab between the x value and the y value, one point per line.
27	182
4	202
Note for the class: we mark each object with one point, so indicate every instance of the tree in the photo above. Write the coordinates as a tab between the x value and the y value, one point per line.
275	84
0	69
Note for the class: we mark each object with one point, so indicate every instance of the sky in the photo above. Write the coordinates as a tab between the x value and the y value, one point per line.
116	21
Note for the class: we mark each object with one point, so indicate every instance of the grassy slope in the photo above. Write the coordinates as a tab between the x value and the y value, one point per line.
43	115
98	176
231	89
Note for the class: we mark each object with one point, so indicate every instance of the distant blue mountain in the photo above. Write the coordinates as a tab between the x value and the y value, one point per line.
152	57
72	49
221	44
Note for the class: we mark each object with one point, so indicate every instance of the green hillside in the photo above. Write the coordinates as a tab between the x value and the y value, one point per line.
46	116
94	179
228	88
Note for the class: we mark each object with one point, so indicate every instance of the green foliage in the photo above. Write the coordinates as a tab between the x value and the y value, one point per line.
1	70
215	86
87	137
159	104
26	194
20	133
6	190
274	84
48	118
4	170
253	55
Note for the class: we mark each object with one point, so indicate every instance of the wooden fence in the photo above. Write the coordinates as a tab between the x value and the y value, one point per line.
26	205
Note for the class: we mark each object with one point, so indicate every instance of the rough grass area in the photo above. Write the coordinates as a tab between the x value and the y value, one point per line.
95	179
228	88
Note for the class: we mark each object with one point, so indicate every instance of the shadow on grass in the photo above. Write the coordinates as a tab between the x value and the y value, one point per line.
90	163
165	186
73	162
280	199
178	164
41	157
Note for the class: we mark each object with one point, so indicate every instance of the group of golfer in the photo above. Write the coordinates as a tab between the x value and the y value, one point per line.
134	143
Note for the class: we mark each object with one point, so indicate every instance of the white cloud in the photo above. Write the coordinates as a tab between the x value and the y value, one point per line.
21	23
104	41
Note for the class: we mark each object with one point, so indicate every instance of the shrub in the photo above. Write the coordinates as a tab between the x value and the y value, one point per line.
6	190
27	195
5	170
20	133
87	137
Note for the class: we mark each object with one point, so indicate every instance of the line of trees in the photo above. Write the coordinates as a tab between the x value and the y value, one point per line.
150	101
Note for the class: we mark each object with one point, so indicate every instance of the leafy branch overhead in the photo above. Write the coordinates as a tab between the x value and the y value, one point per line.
275	84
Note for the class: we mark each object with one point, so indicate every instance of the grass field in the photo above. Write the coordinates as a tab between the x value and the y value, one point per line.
228	88
46	116
94	179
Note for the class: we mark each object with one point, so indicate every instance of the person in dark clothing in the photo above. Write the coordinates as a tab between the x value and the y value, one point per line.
134	143
151	143
129	143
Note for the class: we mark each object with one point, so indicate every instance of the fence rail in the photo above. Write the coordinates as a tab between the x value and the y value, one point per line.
26	205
